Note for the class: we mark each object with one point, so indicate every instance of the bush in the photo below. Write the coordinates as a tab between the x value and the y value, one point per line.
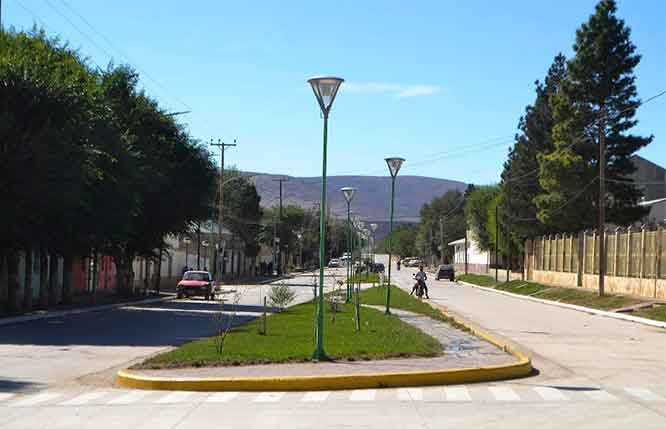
281	296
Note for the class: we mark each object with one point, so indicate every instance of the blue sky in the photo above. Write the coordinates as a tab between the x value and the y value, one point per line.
441	83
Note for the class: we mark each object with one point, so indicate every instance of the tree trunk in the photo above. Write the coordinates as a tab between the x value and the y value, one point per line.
13	282
43	277
53	279
158	273
124	274
27	289
3	281
95	277
146	275
67	266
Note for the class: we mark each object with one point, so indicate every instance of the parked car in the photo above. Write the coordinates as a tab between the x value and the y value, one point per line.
377	267
334	263
414	262
196	283
446	272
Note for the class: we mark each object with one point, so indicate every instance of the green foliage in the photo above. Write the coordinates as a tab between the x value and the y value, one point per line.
448	209
88	160
402	241
477	206
600	83
242	211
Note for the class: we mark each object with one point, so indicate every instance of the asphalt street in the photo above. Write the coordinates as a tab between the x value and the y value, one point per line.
593	372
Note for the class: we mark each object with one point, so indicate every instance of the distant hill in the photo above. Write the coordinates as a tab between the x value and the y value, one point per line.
371	202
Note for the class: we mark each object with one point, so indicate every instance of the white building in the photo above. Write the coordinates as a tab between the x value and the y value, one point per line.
478	261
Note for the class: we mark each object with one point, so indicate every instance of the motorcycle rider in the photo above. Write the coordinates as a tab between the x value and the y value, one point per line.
421	278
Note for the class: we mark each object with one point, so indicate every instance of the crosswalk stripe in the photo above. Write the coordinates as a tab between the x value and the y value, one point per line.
174	398
36	399
644	394
410	394
84	398
129	398
600	395
269	397
550	394
222	397
363	395
315	396
457	394
501	393
4	396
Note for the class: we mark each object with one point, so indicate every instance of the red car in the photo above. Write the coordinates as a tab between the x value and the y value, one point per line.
195	283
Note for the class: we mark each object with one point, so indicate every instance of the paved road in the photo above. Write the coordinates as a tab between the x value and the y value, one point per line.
594	373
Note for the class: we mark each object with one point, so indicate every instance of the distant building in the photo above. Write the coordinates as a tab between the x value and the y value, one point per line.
651	179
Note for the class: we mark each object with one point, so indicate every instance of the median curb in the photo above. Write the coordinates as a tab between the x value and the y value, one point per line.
519	369
594	311
64	313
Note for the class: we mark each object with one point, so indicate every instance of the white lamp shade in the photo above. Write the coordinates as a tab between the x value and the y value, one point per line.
325	89
373	227
348	193
394	165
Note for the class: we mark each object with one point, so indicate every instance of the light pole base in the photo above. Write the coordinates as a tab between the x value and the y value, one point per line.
320	356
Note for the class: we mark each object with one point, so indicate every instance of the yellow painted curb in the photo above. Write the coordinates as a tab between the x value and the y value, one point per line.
521	368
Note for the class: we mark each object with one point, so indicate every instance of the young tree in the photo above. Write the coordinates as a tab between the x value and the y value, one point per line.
598	97
476	213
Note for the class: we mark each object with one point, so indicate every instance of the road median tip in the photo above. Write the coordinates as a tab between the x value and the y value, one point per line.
522	367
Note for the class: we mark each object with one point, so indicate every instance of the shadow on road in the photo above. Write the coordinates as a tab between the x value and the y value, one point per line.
11	386
168	323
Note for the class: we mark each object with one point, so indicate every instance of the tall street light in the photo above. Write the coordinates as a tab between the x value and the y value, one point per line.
325	89
394	165
349	196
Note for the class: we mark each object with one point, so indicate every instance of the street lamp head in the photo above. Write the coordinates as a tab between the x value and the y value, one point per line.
373	227
204	243
394	165
348	193
187	240
325	89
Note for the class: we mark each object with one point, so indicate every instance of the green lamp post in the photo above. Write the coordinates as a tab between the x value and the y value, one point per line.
373	228
394	165
349	192
325	89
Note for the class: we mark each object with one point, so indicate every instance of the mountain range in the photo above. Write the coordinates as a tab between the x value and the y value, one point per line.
372	198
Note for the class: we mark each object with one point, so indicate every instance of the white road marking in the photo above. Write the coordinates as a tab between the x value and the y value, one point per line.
36	399
363	395
600	395
504	393
84	398
4	396
457	394
643	394
129	398
315	396
551	394
222	397
269	397
174	398
410	394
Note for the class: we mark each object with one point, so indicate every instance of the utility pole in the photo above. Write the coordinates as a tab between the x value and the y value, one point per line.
601	233
441	240
508	231
219	259
430	247
280	228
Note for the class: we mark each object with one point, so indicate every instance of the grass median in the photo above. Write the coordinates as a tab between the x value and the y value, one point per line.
582	297
290	338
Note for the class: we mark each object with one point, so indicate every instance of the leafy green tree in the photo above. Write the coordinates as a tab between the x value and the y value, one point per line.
448	209
477	204
403	241
242	211
598	96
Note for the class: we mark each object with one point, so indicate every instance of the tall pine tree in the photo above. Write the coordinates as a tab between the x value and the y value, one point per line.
600	81
521	168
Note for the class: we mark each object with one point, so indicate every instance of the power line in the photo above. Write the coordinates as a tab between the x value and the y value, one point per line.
123	54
